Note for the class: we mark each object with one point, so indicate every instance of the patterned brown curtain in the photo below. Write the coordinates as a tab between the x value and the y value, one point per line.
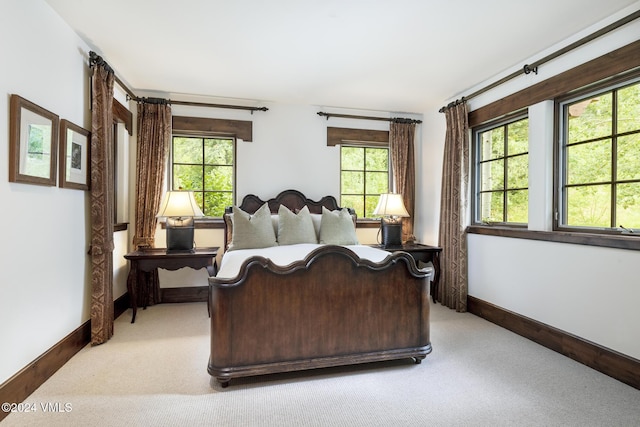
154	134
102	203
401	137
452	290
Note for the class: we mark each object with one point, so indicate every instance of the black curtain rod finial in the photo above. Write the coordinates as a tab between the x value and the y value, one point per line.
95	59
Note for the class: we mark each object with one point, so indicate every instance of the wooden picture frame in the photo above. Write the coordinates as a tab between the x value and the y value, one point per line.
33	143
75	148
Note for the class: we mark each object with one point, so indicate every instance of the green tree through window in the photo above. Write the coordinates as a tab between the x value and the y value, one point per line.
206	167
600	152
502	172
364	175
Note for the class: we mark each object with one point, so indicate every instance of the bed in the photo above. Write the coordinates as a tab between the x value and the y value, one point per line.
296	304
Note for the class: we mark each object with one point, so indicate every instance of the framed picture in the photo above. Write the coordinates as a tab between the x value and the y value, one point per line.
75	144
33	143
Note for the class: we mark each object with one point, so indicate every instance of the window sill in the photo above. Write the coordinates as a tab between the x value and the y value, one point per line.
367	223
589	239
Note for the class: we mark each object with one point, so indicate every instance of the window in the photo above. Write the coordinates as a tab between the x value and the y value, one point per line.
502	172
206	166
599	158
203	159
364	167
364	175
612	72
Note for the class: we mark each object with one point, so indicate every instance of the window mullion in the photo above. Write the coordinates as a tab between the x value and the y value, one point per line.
614	157
203	177
504	172
364	177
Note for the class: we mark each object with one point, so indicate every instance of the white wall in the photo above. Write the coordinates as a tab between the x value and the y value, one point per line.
590	292
429	177
587	291
45	231
45	271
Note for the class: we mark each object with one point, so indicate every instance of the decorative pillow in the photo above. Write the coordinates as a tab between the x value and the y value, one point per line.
337	228
295	228
252	231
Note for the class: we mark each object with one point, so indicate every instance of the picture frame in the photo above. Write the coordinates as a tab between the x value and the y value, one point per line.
33	143
75	148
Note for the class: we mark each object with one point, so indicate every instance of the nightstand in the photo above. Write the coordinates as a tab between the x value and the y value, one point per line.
424	253
147	260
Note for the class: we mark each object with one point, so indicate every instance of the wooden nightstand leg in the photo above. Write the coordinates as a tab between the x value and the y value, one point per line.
132	284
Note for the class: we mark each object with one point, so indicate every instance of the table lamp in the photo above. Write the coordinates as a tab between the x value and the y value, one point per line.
391	210
179	207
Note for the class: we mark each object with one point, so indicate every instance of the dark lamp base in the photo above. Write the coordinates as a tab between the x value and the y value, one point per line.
179	235
391	233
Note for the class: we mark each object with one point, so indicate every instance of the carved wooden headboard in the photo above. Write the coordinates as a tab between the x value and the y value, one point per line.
292	199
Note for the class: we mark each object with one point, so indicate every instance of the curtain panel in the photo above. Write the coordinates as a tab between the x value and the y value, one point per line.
401	136
102	192
154	135
452	291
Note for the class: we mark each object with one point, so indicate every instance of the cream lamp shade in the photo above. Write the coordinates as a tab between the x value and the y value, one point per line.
179	204
391	205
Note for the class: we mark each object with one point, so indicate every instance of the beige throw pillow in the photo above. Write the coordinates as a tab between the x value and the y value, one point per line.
336	228
252	231
295	228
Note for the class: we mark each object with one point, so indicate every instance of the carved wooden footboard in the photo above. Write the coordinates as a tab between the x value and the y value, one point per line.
330	309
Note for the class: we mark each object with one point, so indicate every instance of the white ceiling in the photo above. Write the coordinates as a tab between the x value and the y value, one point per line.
385	55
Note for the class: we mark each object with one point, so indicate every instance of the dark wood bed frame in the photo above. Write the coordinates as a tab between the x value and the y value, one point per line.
330	309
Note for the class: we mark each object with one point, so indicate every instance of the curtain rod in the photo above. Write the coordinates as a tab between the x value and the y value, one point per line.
95	59
533	68
348	116
198	104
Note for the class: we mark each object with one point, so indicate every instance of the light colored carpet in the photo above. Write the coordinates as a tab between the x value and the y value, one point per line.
153	373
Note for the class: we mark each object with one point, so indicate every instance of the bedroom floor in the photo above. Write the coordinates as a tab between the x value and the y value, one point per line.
154	372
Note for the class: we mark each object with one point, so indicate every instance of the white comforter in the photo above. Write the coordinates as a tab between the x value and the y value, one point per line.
285	255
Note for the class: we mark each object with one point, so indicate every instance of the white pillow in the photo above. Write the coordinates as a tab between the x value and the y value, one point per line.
252	231
337	228
293	229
